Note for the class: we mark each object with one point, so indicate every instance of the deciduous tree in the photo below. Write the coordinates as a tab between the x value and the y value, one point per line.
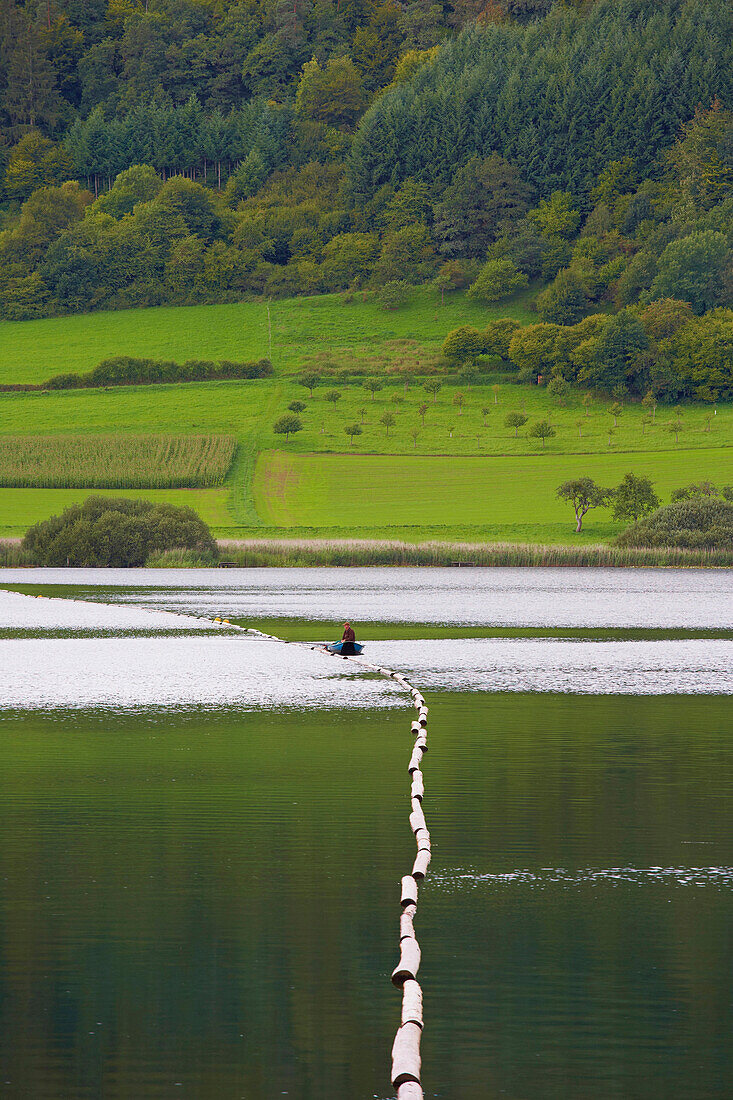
287	425
583	494
634	498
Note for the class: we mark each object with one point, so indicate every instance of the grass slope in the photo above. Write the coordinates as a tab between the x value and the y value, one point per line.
35	350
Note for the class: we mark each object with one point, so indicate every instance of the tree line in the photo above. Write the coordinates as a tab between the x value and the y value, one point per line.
265	197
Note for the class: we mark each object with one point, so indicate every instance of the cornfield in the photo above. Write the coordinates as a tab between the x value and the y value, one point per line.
115	461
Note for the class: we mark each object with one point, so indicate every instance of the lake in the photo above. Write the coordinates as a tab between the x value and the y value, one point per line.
202	833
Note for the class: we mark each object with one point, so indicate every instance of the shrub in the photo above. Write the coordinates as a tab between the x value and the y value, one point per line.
394	294
126	370
498	336
496	280
696	524
564	300
464	344
104	531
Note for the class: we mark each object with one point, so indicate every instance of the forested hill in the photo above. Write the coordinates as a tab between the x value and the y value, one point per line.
559	99
180	151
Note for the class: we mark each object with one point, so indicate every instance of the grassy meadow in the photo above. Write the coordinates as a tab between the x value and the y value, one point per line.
32	351
453	471
383	492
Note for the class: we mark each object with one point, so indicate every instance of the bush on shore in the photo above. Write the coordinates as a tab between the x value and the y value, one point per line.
699	523
106	531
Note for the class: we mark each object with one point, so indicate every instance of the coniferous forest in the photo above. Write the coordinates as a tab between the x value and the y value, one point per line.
180	151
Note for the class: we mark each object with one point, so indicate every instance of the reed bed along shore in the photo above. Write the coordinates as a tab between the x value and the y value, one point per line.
12	555
115	461
253	553
361	552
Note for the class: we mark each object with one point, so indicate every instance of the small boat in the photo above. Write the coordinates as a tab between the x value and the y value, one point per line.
353	648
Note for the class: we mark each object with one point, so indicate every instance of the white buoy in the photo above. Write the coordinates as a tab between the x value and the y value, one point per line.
409	890
409	963
421	864
412	1003
406	1055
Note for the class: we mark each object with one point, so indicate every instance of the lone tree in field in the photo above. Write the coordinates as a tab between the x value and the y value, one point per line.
422	409
615	411
559	388
333	396
542	430
675	426
414	433
388	421
649	402
362	414
433	386
634	498
287	425
373	386
310	380
297	406
458	399
516	420
485	412
583	494
579	426
495	390
352	430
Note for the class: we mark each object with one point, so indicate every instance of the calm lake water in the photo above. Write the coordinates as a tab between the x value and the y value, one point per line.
202	836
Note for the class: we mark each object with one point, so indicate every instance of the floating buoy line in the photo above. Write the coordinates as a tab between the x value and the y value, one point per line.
406	1060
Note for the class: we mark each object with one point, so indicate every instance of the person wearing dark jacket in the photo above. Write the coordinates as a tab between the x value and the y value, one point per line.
348	638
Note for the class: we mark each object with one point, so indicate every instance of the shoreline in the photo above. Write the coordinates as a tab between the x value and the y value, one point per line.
353	553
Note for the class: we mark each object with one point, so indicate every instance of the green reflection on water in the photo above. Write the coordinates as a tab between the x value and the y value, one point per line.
204	904
320	630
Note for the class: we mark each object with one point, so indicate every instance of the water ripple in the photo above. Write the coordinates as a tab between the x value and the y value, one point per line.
717	877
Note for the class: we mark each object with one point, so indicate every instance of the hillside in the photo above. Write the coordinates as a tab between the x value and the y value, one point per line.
499	236
427	463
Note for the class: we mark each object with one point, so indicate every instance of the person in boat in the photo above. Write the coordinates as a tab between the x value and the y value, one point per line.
348	639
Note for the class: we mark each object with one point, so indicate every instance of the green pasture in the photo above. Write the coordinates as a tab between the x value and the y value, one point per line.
465	475
248	409
31	351
511	498
316	480
476	427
